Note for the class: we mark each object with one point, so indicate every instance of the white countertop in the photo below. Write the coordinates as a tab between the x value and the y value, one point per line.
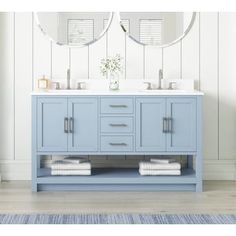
117	93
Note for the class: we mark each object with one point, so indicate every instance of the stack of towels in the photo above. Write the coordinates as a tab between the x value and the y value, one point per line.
71	166
159	167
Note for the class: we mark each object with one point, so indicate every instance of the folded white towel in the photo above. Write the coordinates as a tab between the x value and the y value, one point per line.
163	161
75	160
159	166
159	172
64	165
70	172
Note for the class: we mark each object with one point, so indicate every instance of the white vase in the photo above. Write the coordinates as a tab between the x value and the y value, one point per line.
113	82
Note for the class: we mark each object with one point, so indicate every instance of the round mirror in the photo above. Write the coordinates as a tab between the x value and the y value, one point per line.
74	28
157	28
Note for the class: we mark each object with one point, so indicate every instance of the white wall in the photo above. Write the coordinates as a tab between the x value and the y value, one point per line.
206	54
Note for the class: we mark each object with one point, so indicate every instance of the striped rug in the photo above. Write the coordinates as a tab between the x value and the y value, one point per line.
116	219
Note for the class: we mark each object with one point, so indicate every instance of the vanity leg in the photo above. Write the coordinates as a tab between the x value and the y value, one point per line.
199	155
35	165
199	173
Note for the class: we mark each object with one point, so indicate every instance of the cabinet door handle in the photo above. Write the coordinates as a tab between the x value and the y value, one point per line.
170	125
117	106
71	125
118	125
164	125
65	125
118	144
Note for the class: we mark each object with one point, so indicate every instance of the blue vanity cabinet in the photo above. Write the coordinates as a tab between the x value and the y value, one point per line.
51	121
67	124
152	125
83	124
182	124
166	124
150	114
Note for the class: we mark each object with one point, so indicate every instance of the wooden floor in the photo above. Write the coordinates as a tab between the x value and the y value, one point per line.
218	197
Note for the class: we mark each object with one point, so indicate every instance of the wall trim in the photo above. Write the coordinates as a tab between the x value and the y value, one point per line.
219	170
212	169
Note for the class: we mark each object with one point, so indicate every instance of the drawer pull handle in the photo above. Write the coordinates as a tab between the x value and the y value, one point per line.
71	125
118	144
65	125
118	125
118	106
164	125
170	128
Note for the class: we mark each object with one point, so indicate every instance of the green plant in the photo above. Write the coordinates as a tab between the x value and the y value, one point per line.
111	65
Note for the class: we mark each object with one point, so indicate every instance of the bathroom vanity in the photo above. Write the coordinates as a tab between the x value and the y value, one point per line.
117	123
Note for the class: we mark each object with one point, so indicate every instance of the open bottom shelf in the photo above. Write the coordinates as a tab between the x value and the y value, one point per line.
111	179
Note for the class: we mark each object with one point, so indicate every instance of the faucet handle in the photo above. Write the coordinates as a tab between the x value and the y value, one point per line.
149	85
56	85
81	85
172	85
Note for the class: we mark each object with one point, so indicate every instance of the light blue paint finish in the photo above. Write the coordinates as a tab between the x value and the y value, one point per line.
116	124
93	114
149	124
182	112
84	115
116	176
199	154
115	143
51	113
117	105
117	187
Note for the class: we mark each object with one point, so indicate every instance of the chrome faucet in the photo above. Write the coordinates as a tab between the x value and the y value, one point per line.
160	78
68	79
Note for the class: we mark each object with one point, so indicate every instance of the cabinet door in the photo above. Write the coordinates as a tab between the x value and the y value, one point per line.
51	133
149	124
83	124
182	124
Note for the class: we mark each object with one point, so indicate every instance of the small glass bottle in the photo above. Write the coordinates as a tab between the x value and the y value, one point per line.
43	83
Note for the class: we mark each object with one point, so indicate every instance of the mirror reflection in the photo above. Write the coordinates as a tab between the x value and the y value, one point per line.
74	28
156	28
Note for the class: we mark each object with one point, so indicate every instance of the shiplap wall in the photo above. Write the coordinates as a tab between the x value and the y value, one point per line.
206	54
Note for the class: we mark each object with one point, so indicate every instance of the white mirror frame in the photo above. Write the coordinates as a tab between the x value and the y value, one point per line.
36	18
163	45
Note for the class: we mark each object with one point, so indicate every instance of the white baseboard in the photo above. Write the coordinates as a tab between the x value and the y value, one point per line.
219	170
212	170
15	170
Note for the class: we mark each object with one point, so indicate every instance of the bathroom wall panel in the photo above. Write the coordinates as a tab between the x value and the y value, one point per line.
23	84
116	42
209	82
97	51
7	86
153	62
227	85
134	60
218	93
172	61
190	54
79	63
60	62
41	54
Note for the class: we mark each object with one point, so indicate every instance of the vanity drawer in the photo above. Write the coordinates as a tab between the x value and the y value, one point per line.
117	143
117	105
117	124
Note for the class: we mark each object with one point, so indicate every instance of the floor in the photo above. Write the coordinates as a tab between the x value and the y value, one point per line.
218	197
